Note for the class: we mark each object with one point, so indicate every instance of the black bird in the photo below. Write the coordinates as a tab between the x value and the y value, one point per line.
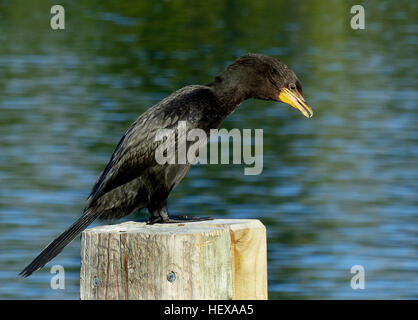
133	180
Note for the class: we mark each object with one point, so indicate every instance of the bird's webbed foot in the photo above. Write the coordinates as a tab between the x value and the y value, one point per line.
183	219
161	216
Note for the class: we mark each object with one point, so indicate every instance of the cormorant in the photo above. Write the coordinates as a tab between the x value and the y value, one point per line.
133	180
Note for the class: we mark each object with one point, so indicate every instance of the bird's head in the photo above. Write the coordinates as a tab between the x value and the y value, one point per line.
267	78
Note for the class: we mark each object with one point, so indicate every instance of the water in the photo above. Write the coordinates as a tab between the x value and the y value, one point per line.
337	190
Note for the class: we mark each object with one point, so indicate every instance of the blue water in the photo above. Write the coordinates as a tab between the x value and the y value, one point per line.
337	190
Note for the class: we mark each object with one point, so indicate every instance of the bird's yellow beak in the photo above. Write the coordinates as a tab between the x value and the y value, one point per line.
296	100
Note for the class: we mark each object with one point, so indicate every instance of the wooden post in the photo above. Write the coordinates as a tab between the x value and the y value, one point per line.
209	260
249	257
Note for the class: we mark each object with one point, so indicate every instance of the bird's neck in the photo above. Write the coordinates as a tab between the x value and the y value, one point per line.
229	91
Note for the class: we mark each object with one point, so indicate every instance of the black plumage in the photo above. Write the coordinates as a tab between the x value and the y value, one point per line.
133	179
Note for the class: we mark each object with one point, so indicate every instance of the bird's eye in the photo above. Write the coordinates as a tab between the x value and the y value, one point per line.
292	86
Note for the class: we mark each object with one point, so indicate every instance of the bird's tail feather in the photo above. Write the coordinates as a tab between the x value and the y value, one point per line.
56	246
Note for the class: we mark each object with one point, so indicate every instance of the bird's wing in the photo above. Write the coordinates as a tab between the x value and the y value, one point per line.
135	151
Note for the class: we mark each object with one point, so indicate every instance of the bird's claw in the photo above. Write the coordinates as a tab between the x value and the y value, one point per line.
177	219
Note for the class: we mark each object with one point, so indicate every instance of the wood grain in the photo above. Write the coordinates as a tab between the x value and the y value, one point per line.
249	257
210	260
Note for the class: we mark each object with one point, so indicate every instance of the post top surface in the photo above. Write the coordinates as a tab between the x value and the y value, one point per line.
178	228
